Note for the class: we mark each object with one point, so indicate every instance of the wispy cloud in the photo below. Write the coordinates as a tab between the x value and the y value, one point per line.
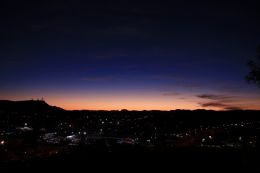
213	104
233	108
219	101
214	97
221	105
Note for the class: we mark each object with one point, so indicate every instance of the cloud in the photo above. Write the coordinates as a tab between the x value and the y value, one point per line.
219	101
213	104
233	108
219	104
214	97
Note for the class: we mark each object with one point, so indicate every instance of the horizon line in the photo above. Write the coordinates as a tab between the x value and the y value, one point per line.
133	110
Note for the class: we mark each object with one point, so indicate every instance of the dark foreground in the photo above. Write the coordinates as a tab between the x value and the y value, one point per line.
36	136
187	160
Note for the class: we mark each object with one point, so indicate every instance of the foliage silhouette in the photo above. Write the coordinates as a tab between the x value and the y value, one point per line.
254	65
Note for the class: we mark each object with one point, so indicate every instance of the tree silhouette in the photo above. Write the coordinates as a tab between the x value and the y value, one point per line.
254	65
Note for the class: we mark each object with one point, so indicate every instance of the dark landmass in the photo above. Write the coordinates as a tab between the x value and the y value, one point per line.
35	133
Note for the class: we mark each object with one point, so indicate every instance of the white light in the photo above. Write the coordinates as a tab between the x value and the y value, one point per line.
2	142
210	137
70	137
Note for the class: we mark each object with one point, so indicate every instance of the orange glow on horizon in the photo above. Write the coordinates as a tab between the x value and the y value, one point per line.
82	106
130	101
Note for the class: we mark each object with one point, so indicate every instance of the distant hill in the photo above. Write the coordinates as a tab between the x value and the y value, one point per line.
27	106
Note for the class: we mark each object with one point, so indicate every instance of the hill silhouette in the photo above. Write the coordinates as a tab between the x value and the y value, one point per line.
28	106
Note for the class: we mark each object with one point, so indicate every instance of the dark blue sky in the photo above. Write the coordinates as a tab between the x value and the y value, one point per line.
126	54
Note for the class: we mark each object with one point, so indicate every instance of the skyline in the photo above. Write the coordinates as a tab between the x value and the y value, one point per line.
130	55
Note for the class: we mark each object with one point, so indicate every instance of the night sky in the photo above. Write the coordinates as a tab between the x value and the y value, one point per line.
136	55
